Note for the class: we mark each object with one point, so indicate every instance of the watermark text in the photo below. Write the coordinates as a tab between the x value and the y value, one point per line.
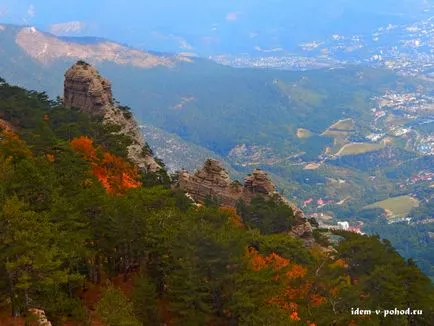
386	312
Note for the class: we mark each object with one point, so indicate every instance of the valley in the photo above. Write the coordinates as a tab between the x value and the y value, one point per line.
94	232
335	141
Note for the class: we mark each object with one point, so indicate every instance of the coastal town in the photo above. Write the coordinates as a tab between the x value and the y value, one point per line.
405	49
407	115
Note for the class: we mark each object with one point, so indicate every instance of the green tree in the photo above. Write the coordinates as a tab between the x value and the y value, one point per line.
29	254
115	310
269	215
145	301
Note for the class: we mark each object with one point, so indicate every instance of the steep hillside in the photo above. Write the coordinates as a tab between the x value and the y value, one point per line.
86	238
330	139
178	153
183	96
216	107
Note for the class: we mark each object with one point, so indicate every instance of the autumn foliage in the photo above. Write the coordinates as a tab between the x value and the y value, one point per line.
295	285
13	145
115	174
61	237
234	218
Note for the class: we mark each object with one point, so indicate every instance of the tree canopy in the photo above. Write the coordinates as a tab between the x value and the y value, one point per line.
75	215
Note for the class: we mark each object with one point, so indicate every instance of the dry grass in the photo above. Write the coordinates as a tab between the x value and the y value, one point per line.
359	148
398	207
312	166
342	128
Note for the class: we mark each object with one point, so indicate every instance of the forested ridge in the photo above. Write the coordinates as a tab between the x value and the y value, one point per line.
77	217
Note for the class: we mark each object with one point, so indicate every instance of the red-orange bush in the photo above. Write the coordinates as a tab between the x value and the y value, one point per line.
115	174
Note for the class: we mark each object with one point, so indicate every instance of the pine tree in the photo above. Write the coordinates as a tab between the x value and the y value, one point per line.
114	309
29	254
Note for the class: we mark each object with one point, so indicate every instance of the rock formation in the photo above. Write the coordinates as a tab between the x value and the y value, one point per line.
87	90
40	315
213	181
4	125
258	183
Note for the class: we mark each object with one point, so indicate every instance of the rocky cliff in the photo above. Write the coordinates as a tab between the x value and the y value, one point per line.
87	90
213	181
41	318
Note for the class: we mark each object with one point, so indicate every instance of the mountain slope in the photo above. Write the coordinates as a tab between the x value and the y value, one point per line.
85	239
252	119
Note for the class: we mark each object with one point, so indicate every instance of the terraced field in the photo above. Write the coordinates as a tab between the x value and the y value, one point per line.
397	207
339	128
359	148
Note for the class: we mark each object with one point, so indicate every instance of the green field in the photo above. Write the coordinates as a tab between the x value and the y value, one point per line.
396	207
359	148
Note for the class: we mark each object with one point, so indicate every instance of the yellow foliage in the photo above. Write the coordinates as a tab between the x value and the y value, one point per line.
13	146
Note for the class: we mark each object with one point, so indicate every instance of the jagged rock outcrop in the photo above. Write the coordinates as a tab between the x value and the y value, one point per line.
302	230
213	181
258	183
129	127
87	90
4	125
40	316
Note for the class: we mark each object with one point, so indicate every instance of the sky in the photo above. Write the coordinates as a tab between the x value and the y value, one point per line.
201	24
111	14
137	23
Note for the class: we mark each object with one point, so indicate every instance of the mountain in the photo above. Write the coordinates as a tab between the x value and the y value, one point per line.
39	52
86	238
179	102
338	142
223	27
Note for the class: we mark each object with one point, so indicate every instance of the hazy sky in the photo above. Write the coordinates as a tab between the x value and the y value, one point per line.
179	13
140	13
198	23
123	20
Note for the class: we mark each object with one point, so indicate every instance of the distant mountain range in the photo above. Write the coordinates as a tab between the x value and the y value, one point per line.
228	27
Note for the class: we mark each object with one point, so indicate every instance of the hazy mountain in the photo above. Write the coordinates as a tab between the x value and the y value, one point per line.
214	27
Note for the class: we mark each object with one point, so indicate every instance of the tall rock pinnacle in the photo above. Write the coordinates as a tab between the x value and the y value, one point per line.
85	89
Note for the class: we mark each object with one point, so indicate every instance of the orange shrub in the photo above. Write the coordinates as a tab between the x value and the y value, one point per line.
114	173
